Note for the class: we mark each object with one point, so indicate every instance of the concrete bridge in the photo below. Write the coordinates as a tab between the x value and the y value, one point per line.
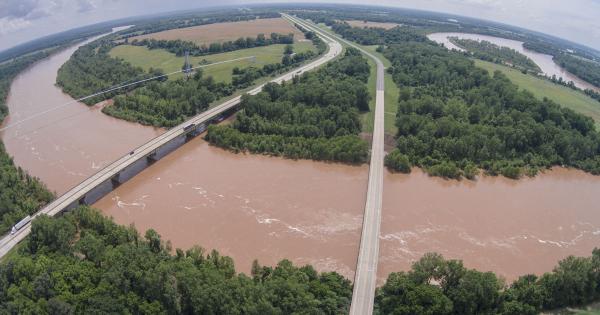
129	165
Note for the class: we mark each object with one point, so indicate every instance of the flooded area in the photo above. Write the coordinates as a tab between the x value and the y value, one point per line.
249	206
545	62
257	207
507	226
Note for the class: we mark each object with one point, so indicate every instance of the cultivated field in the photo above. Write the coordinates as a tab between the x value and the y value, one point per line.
222	32
159	58
541	88
357	23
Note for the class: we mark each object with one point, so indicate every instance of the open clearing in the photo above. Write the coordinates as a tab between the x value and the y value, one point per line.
159	58
541	88
222	32
363	24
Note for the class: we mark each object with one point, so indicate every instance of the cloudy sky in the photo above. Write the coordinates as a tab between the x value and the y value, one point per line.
24	20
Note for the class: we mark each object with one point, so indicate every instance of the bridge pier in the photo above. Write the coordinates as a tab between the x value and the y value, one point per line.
116	180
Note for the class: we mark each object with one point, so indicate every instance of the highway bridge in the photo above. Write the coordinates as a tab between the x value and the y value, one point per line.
365	277
124	168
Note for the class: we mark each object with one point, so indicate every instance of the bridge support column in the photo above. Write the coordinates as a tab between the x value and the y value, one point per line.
116	180
151	158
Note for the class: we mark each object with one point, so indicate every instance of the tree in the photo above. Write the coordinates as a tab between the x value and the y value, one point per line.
288	50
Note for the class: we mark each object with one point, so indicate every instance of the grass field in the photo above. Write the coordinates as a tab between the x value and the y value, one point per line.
159	58
356	23
221	32
565	96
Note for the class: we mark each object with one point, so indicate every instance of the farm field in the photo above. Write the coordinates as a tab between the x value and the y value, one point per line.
222	32
356	23
159	58
565	96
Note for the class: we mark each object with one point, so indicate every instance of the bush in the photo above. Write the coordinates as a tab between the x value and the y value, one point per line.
398	162
445	169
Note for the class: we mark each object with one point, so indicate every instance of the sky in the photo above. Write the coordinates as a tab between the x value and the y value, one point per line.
25	20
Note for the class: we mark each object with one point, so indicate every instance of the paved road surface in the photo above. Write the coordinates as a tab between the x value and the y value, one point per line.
365	277
76	193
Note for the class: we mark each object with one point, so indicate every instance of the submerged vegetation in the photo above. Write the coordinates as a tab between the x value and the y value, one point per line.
314	117
488	51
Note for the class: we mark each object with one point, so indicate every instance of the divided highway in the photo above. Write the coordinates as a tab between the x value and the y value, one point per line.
365	278
78	192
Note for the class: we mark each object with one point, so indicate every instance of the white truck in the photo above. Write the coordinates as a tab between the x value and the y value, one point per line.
20	224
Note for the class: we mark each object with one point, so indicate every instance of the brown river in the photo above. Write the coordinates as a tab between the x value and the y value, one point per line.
269	208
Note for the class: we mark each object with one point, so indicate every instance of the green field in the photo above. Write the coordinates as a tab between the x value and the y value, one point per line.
541	88
159	58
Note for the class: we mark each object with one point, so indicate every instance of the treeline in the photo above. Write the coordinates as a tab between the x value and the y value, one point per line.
376	36
195	19
445	287
314	117
454	118
167	104
491	52
180	47
584	69
20	194
83	263
91	69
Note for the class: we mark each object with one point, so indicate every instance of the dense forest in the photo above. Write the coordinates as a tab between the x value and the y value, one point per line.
180	47
445	287
314	117
454	118
488	51
20	194
83	263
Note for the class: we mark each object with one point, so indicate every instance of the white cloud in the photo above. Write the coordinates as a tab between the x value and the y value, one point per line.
9	25
23	20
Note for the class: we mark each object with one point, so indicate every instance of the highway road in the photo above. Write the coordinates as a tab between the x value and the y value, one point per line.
79	191
365	278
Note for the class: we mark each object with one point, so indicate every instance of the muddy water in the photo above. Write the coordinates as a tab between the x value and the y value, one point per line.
269	208
249	206
545	62
510	227
66	145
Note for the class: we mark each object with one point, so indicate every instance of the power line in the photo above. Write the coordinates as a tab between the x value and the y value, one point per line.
114	89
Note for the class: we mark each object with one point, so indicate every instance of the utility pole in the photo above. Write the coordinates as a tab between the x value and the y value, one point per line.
187	67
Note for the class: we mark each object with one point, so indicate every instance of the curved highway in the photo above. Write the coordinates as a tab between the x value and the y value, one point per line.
365	278
78	192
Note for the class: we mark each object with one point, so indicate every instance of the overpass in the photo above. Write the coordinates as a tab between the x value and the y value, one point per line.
129	165
365	277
